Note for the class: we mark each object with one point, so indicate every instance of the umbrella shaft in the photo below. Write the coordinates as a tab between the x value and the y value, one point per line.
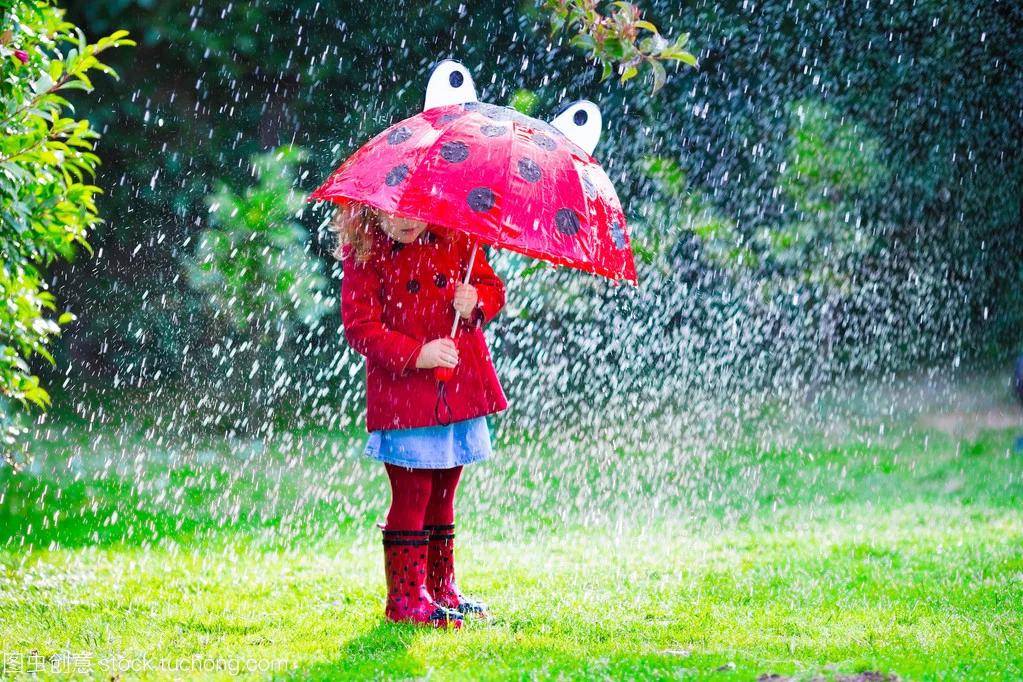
468	274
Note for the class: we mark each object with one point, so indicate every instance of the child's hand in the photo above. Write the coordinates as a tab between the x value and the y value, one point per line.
437	353
465	299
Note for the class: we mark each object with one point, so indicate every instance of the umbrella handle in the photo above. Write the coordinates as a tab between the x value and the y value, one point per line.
445	373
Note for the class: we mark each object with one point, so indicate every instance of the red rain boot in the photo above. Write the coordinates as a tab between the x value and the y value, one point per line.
440	575
405	567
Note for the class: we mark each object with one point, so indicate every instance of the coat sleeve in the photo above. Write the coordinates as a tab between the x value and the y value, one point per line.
361	316
489	288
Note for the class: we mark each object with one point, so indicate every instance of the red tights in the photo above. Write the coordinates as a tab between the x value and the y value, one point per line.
421	497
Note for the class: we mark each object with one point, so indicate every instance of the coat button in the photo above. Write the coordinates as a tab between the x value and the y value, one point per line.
441	280
412	286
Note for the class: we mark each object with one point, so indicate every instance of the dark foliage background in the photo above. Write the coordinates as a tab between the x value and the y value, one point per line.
935	85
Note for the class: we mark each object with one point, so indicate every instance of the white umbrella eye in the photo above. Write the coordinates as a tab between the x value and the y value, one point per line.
581	122
450	83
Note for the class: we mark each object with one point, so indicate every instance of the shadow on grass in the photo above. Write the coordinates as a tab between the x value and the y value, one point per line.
382	653
37	511
379	653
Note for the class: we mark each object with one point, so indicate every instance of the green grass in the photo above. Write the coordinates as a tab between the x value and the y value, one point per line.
899	553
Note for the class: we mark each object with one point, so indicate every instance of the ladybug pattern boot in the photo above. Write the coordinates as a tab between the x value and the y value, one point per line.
408	601
440	576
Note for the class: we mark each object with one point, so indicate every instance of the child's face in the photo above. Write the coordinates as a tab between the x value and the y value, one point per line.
404	230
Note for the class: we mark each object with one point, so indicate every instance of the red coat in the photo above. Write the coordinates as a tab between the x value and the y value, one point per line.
401	298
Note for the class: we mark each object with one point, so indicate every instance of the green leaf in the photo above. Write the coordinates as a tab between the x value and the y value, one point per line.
682	56
533	268
583	42
613	48
524	101
657	43
557	24
660	77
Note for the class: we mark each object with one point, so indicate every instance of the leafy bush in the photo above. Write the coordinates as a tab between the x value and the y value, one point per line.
254	266
830	166
614	39
253	262
47	207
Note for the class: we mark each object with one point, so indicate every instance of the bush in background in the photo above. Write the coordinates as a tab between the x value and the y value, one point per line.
258	277
47	203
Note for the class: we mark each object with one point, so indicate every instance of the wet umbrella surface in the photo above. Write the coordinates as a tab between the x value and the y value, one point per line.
510	180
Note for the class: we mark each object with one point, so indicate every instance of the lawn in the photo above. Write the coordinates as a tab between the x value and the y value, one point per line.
890	548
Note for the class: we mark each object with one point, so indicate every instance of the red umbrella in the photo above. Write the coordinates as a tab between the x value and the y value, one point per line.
507	179
510	180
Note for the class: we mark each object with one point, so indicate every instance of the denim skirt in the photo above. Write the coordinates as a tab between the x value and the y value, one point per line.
432	447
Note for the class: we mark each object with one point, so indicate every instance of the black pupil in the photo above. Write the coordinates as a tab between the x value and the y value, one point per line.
456	79
579	118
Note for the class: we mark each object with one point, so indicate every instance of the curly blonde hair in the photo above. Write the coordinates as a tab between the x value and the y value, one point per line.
355	224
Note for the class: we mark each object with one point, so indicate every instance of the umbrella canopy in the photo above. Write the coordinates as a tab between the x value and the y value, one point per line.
510	180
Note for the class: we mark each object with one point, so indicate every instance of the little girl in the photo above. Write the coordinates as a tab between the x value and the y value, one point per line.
402	284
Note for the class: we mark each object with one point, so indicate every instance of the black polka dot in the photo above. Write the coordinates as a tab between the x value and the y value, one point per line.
544	142
396	247
480	199
454	151
413	287
618	235
456	79
588	187
398	135
529	170
447	118
441	280
493	131
566	221
397	174
580	117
